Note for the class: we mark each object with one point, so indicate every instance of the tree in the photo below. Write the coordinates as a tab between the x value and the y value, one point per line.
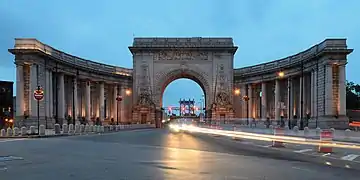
352	95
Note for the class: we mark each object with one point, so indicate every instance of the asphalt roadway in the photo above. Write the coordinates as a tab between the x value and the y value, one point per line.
153	154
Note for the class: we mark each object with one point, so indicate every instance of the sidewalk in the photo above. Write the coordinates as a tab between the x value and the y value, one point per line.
92	130
354	136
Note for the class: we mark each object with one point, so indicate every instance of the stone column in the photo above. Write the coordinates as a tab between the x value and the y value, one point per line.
87	101
249	105
61	96
301	98
342	90
315	104
101	103
263	100
243	92
76	104
277	99
115	103
20	91
289	99
32	86
312	108
328	90
47	91
51	95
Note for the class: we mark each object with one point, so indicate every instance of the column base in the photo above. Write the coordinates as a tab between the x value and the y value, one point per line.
327	122
33	121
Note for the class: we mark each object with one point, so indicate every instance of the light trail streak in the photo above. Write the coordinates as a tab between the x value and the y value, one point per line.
270	138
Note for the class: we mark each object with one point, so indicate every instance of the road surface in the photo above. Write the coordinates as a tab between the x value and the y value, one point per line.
152	154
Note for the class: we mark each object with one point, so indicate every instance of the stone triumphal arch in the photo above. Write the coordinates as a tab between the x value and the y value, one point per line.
310	84
159	61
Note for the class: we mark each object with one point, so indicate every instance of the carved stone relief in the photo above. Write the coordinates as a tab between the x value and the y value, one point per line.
223	99
180	55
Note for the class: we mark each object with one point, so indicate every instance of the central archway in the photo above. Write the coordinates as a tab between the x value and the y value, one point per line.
173	75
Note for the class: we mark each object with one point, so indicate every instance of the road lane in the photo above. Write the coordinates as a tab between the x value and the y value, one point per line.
151	154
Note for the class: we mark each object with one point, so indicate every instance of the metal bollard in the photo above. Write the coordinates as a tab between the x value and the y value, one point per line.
2	133
77	129
65	128
9	132
42	130
32	130
16	131
23	131
57	129
71	129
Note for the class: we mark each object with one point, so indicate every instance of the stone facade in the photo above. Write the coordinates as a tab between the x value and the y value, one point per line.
159	61
310	83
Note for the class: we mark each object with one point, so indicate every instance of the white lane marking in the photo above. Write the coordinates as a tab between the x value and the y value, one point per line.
10	140
303	169
266	146
350	157
303	150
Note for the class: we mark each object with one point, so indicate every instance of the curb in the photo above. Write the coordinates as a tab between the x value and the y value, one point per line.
66	135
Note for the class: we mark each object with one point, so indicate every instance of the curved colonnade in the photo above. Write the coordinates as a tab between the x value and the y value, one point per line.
310	83
70	84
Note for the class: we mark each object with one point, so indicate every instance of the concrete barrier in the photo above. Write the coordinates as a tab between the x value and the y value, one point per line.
102	129
23	131
9	132
32	130
57	128
332	131
16	131
91	128
306	131
42	130
65	128
77	129
117	128
2	132
71	129
296	130
347	133
317	131
87	128
82	128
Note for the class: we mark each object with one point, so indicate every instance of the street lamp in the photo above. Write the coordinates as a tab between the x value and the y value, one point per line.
281	74
118	99
246	98
128	92
237	92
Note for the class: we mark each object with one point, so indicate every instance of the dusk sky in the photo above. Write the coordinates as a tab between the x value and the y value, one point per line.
264	30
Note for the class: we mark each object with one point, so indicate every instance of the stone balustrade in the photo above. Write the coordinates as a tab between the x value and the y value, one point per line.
33	44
